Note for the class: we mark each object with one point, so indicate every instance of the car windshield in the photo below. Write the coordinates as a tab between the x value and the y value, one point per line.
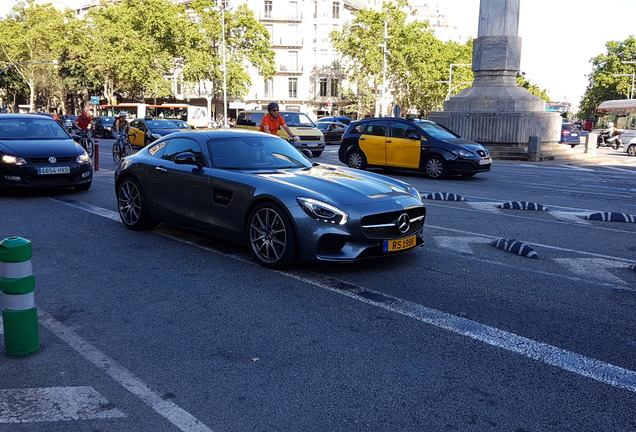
27	128
256	152
322	125
161	124
436	131
297	119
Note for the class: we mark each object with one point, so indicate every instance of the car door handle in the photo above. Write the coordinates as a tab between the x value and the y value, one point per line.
389	141
161	169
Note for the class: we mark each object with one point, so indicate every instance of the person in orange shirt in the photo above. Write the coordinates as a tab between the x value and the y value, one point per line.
273	121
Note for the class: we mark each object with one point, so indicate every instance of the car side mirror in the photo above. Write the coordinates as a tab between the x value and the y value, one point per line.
186	158
307	153
414	136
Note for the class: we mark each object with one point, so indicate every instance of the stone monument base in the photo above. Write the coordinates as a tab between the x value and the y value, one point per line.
506	134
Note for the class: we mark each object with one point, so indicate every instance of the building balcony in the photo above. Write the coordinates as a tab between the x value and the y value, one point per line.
287	42
295	17
290	69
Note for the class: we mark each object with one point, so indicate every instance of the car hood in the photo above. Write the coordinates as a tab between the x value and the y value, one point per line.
342	185
40	148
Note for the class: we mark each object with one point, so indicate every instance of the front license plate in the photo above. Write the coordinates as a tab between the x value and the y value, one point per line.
485	161
54	170
401	244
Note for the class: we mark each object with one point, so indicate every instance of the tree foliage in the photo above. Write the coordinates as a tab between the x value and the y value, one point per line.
416	63
603	84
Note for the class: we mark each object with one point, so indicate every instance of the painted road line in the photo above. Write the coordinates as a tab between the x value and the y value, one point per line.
99	211
576	217
572	362
491	207
569	361
54	404
594	268
169	410
460	244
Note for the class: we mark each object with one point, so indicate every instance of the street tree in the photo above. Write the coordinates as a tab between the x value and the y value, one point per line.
246	42
417	69
604	84
29	43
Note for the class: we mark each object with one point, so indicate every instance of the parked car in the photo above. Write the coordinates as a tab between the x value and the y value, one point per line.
182	124
258	189
570	134
35	151
345	120
332	131
309	137
146	131
104	126
416	145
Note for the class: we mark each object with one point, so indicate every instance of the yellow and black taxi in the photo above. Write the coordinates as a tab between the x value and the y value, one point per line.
146	131
419	145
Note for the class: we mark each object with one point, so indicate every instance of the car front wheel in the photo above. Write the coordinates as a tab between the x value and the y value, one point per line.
132	206
356	160
631	150
272	237
435	167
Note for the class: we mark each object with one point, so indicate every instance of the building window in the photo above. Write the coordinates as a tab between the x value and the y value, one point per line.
269	88
322	87
315	9
270	29
335	9
293	60
293	87
268	9
334	87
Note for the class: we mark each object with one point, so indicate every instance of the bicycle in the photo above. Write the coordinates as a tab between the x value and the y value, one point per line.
87	142
122	147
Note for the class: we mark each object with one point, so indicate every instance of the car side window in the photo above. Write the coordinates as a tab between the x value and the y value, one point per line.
158	149
181	145
402	130
376	128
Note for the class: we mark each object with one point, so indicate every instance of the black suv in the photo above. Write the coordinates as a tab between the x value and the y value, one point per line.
417	145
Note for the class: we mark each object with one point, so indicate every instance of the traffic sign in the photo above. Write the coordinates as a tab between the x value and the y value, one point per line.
94	99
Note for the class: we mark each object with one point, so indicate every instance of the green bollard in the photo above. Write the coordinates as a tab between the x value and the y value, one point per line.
17	283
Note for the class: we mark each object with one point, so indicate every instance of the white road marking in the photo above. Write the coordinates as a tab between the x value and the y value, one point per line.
571	216
584	366
485	206
593	268
460	244
54	404
99	211
575	167
169	410
631	171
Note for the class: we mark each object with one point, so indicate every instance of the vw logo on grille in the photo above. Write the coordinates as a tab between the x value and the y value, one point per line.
52	159
403	223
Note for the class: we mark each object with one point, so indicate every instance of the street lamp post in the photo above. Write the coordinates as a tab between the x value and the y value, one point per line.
631	95
54	62
223	6
385	51
450	76
631	62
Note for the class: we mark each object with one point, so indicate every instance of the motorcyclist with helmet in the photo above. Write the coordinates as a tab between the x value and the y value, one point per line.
609	137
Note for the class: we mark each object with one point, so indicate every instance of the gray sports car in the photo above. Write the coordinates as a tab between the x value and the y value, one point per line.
258	189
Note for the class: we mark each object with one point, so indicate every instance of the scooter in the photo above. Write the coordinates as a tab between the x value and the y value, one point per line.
614	141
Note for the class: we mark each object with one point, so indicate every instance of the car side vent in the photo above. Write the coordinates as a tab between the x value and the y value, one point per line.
222	196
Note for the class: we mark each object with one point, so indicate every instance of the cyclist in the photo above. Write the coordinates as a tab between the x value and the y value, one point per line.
273	121
121	125
83	122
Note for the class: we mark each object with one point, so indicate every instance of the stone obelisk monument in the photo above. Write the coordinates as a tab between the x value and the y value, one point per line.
495	111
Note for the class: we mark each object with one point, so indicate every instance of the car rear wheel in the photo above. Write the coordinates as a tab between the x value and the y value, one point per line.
132	205
631	150
435	167
356	160
272	237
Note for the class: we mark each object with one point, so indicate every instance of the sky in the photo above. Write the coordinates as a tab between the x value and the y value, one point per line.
558	37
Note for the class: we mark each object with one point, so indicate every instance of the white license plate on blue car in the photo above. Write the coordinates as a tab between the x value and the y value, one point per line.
485	161
54	170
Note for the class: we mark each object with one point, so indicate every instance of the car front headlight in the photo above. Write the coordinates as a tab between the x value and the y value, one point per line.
13	160
322	211
464	153
83	158
415	193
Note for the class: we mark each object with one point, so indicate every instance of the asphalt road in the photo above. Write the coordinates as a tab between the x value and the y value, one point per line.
166	330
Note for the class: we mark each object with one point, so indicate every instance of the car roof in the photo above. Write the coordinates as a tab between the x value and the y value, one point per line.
21	116
221	133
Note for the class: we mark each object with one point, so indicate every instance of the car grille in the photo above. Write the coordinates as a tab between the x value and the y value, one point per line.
482	153
384	225
46	159
309	137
